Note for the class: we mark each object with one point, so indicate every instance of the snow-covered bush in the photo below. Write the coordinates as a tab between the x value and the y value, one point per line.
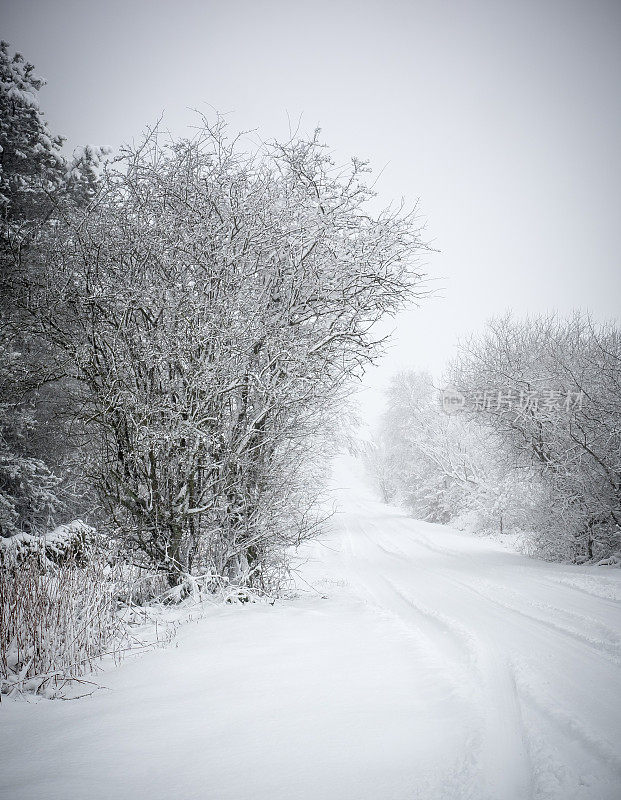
58	611
66	599
73	542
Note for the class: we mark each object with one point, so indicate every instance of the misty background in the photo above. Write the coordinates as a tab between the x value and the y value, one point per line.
502	120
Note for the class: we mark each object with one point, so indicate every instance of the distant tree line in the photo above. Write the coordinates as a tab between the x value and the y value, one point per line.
536	447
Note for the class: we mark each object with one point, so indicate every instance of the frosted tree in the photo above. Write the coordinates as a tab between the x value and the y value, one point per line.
564	420
213	306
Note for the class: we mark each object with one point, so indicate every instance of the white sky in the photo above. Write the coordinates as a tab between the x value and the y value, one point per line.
502	118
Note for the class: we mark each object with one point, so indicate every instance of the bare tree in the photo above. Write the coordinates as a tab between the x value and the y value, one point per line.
563	377
214	306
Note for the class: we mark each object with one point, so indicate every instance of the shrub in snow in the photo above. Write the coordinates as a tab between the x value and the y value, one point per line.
73	542
66	599
56	618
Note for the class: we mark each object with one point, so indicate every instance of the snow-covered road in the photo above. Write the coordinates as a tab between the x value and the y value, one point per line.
419	663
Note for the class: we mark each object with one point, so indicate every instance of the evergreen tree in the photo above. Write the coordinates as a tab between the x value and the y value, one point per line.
35	180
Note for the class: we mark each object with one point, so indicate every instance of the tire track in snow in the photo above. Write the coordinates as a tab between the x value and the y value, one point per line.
508	646
503	747
480	674
548	706
609	646
611	650
570	726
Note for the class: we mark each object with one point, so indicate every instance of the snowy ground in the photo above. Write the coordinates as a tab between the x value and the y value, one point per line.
424	663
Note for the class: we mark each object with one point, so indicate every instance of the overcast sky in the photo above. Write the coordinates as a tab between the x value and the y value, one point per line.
502	118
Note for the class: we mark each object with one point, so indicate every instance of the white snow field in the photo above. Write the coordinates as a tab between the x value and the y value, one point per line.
423	663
